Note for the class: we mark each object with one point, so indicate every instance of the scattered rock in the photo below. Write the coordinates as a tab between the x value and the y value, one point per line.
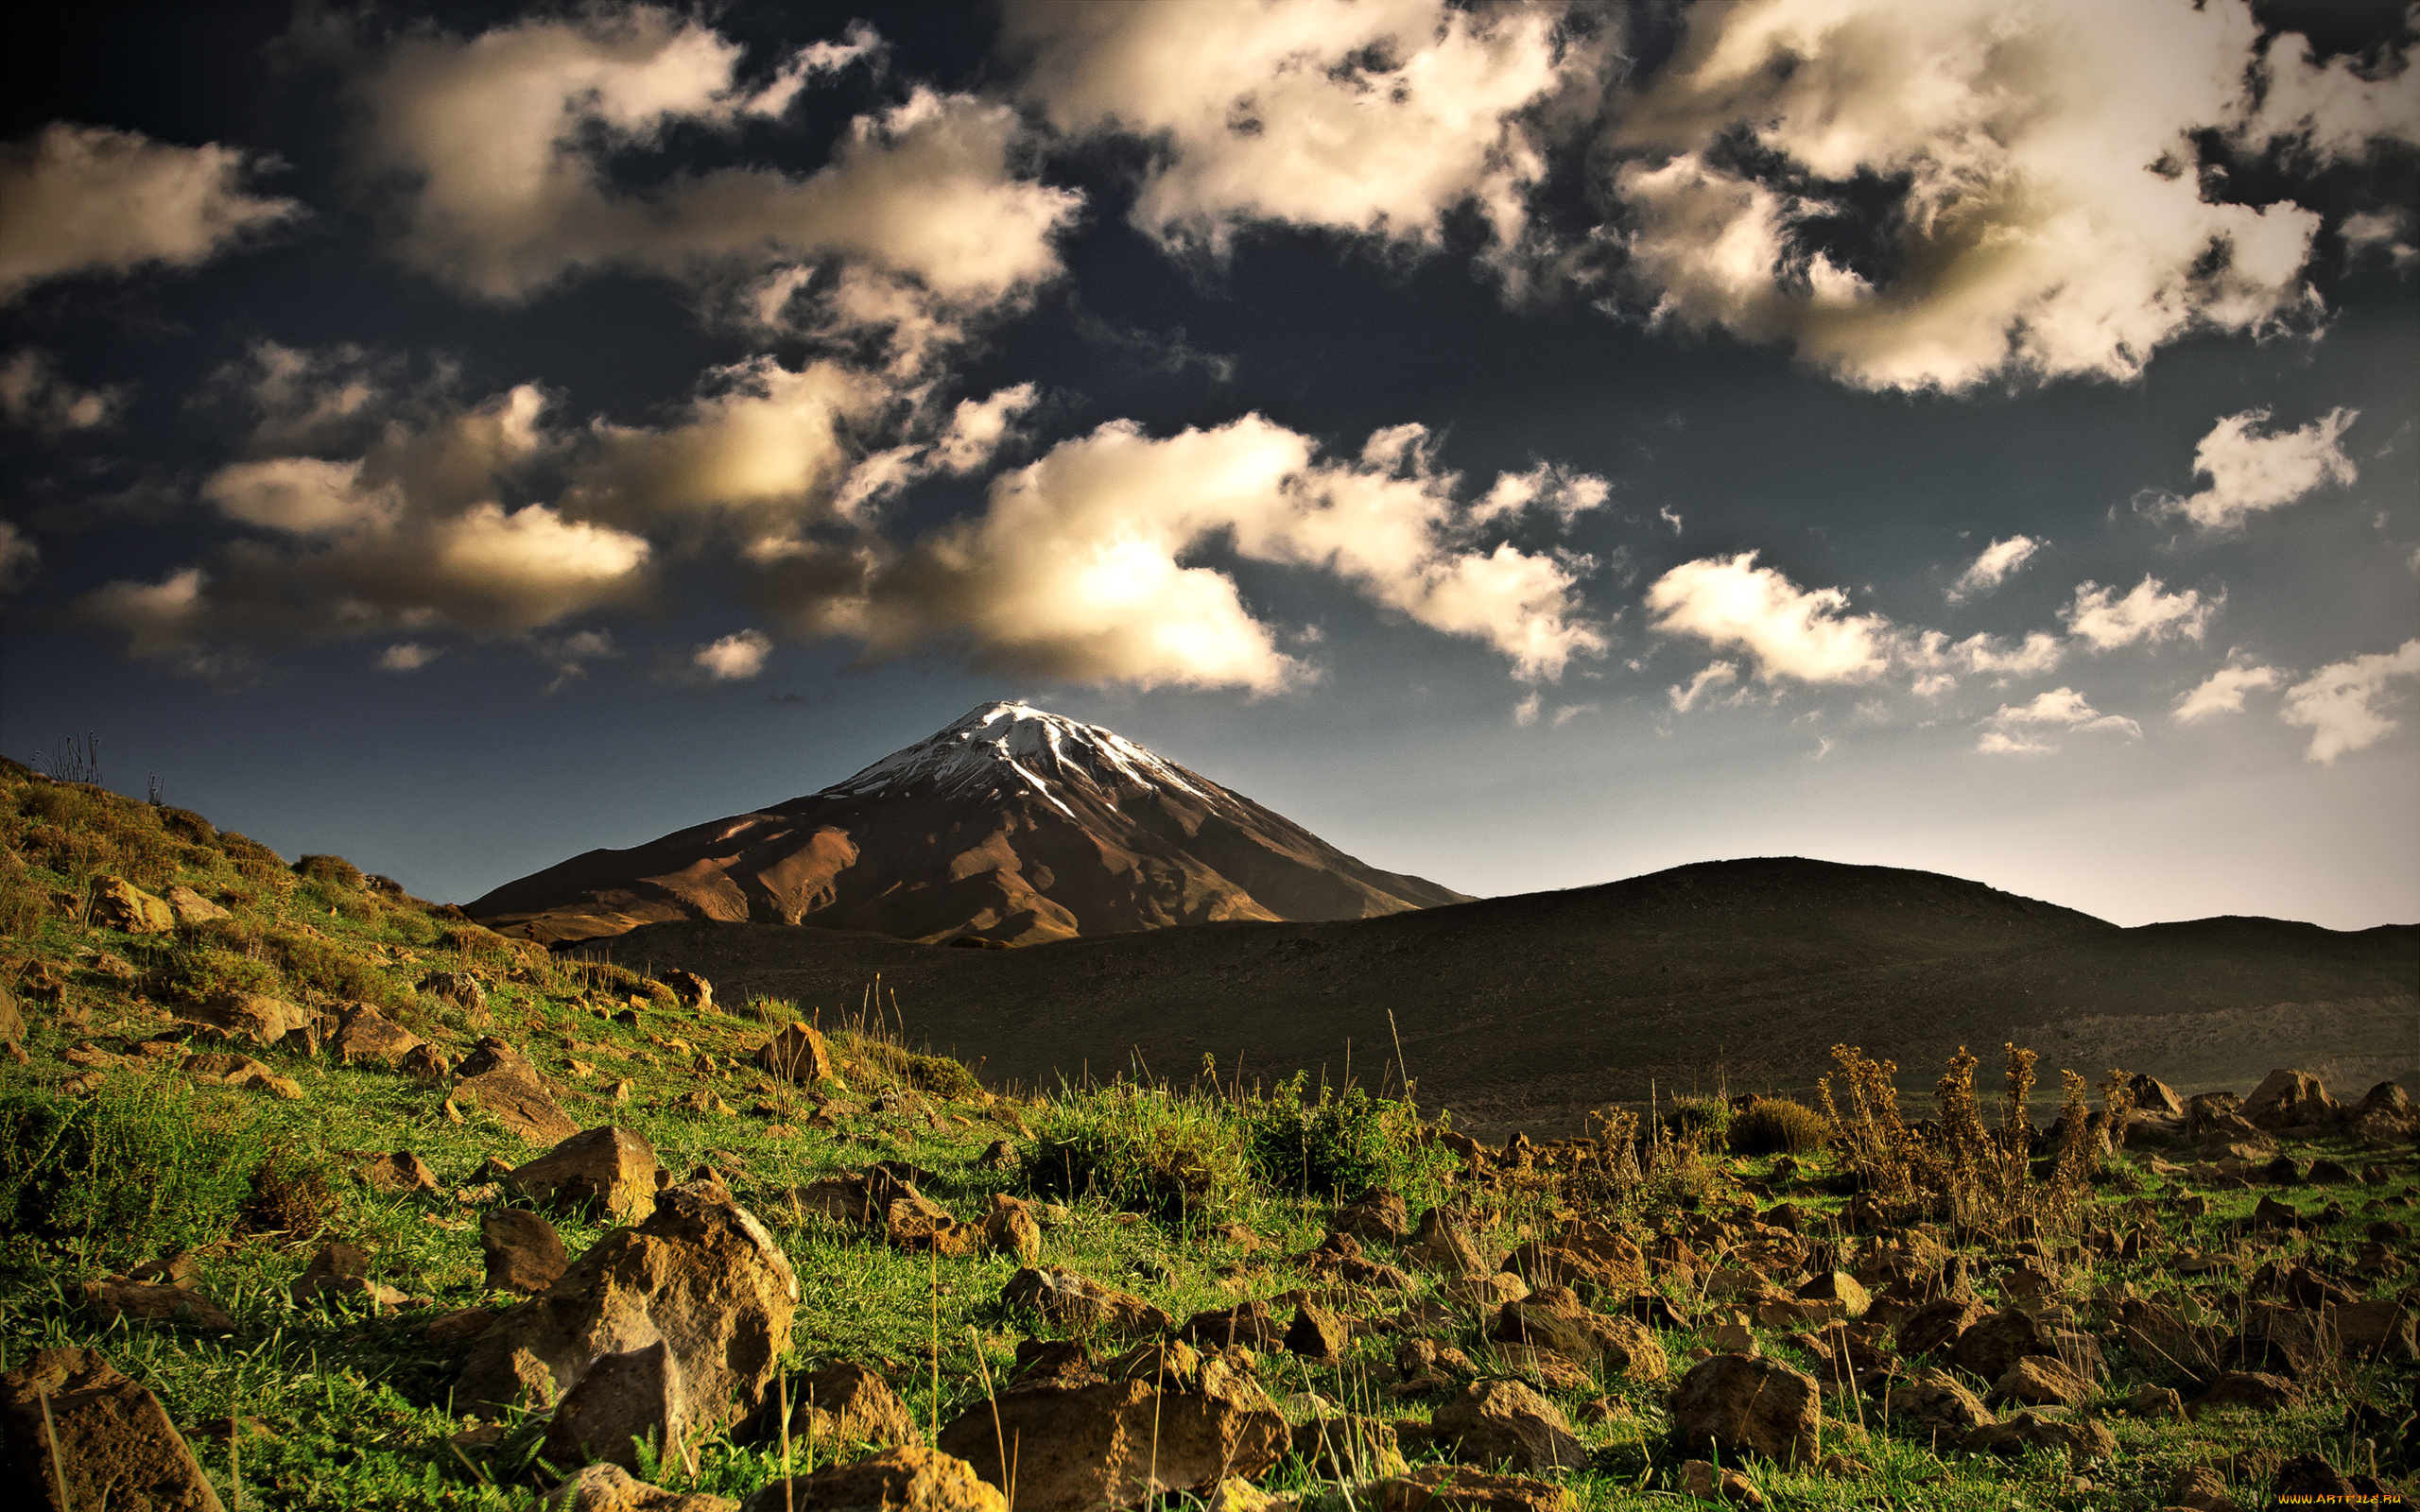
1072	1302
365	1034
2084	1441
1583	1250
2308	1480
606	1171
253	1016
1249	1324
12	1021
2201	1489
461	991
224	1069
1939	1408
897	1480
2038	1380
1377	1215
461	1326
119	904
400	1171
691	988
1937	1324
523	1252
1317	1333
1707	1483
2254	1389
1841	1287
700	1275
1991	1345
1457	1489
191	907
341	1270
2156	1404
1437	1245
501	1080
1494	1423
797	1053
1118	1442
1012	1229
611	1489
840	1404
2290	1099
2156	1096
997	1156
2377	1330
106	1441
119	1296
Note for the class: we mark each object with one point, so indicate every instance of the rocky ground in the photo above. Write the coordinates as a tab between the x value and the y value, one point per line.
313	1195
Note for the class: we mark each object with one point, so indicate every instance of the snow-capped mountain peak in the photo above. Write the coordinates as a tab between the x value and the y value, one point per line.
1011	745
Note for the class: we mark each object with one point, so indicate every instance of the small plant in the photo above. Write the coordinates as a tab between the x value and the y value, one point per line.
1778	1125
1143	1148
142	1166
1335	1147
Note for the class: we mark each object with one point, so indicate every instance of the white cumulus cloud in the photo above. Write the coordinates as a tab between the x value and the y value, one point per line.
2342	704
1993	567
734	658
2104	620
33	394
1374	117
2251	471
2221	692
1731	603
2045	217
406	656
90	199
2058	710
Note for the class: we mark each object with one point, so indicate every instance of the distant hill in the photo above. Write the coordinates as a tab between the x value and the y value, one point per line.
1012	825
1526	1011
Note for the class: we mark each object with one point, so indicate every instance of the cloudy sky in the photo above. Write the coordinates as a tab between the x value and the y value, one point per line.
1528	444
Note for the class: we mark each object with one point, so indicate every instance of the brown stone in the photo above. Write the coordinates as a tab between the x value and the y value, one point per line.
2375	1330
460	1326
1010	1228
1936	1407
1841	1287
2083	1441
907	1479
1583	1250
425	1062
1249	1324
2202	1489
841	1405
119	904
620	1402
223	1068
700	1275
1078	1447
1349	1448
1991	1345
105	1438
2038	1380
253	1016
1936	1325
1440	1246
600	1172
1317	1333
1492	1422
500	1079
118	1297
400	1171
2308	1480
1708	1484
1458	1489
191	907
341	1270
797	1053
1377	1216
2253	1389
2290	1099
524	1253
1737	1404
1073	1302
2156	1404
607	1487
364	1033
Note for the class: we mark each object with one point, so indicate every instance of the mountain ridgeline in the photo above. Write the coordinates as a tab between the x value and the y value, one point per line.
1012	825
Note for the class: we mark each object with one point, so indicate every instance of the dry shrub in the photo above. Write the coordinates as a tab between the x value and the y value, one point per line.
332	871
290	1194
258	865
1778	1125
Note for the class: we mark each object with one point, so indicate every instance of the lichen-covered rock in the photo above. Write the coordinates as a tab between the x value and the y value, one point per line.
1938	1409
606	1171
118	904
523	1251
364	1033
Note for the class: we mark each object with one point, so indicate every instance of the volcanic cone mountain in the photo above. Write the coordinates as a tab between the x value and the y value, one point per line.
1012	825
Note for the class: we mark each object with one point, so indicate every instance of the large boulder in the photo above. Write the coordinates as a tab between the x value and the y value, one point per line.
77	1423
797	1053
838	1405
1117	1443
2153	1095
190	906
253	1016
118	904
500	1079
364	1033
1073	1302
604	1171
1737	1403
909	1479
700	1276
2290	1099
1495	1422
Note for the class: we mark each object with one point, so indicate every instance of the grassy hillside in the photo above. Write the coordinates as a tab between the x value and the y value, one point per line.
1191	1195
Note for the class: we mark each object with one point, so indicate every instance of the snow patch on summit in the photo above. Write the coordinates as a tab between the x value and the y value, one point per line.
1011	744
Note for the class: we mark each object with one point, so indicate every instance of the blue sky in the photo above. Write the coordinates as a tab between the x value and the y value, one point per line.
1529	445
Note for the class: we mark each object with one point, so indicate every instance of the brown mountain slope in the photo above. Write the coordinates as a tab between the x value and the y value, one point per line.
1012	825
1529	1010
